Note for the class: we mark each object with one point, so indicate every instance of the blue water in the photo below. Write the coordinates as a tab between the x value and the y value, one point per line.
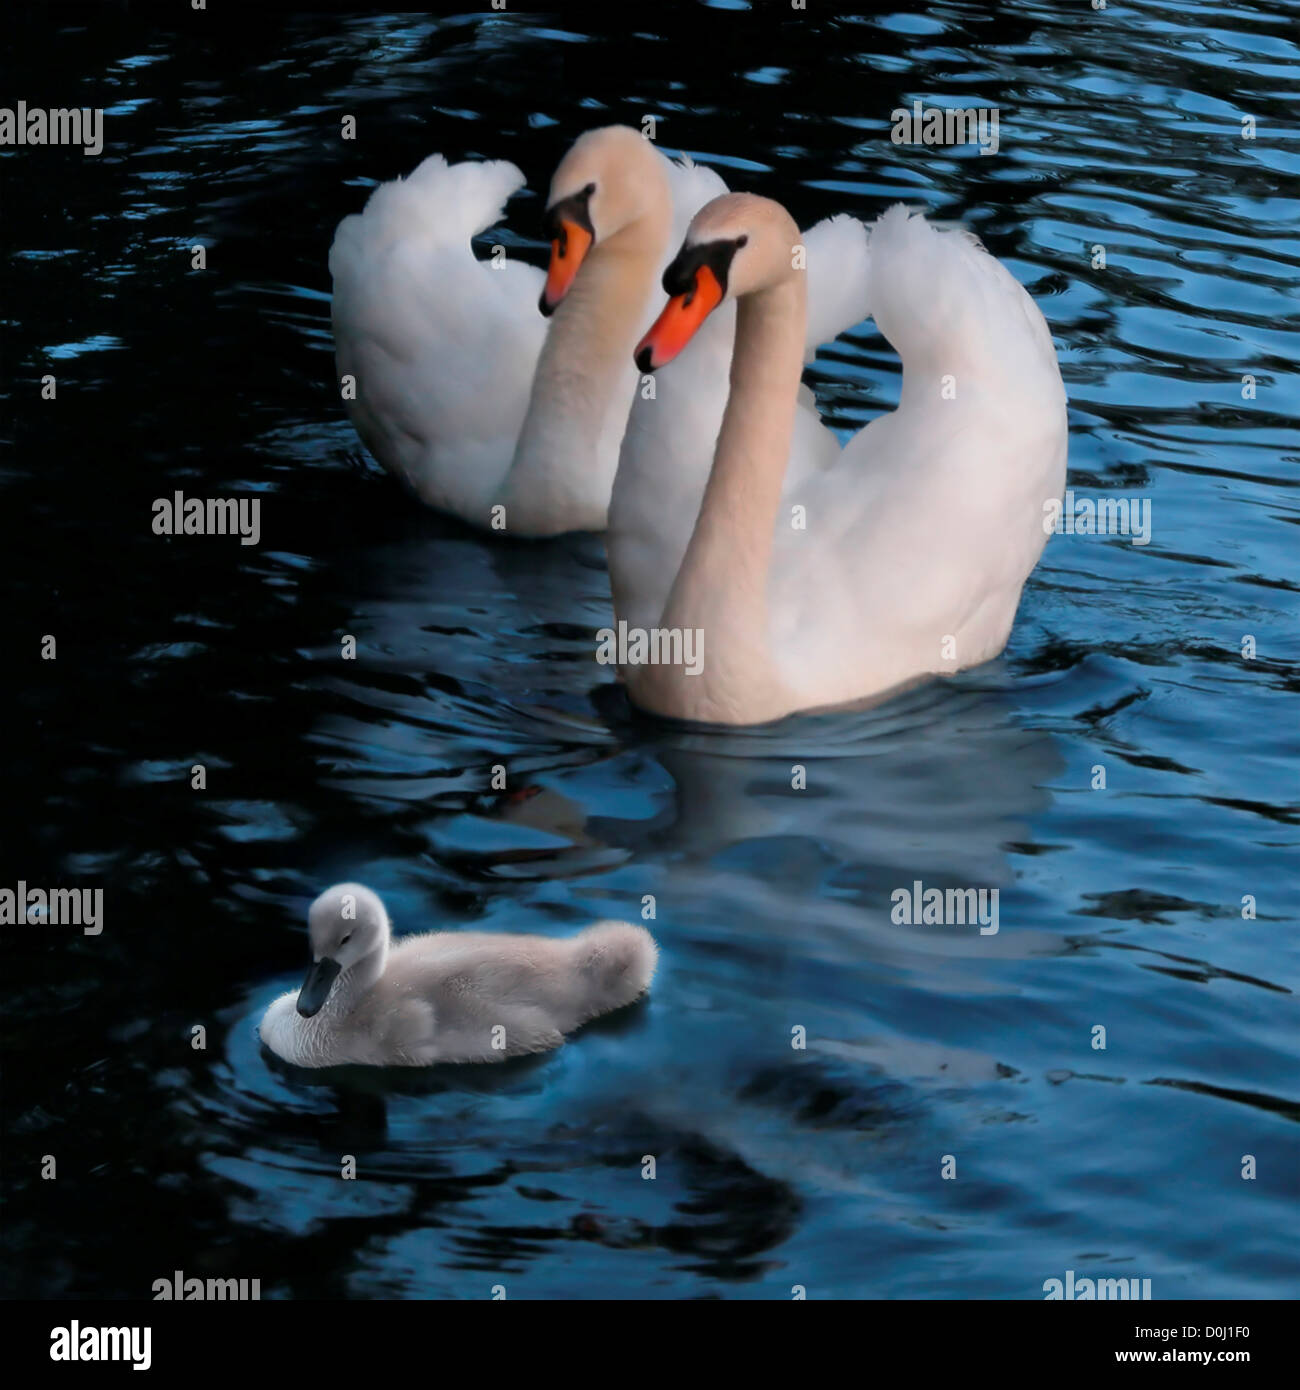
1120	907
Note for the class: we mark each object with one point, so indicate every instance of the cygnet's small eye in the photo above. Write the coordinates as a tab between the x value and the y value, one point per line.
346	939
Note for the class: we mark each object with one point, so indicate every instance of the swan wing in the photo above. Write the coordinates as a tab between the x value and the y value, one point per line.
930	521
838	257
442	346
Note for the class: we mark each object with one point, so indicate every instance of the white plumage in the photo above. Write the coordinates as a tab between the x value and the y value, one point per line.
931	519
668	447
442	346
461	389
912	544
446	996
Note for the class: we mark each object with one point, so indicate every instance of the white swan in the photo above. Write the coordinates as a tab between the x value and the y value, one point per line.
668	447
446	996
460	387
917	540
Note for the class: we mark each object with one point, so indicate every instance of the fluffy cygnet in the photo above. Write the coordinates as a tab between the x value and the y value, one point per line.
446	996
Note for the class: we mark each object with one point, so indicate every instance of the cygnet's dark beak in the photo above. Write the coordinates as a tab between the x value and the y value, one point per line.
316	987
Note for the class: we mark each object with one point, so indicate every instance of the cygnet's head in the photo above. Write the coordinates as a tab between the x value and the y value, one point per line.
609	180
737	244
346	923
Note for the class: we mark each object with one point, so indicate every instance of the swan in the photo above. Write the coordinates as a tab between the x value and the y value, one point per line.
446	996
668	445
460	386
911	548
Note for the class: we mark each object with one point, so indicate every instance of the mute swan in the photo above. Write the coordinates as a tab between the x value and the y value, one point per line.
461	387
463	391
918	538
668	447
446	996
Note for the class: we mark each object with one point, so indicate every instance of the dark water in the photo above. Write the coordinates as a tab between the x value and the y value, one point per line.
1119	907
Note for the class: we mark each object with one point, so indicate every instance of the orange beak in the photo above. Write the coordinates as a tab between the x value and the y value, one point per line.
567	253
679	322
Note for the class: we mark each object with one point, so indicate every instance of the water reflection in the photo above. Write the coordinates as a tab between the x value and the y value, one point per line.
776	1165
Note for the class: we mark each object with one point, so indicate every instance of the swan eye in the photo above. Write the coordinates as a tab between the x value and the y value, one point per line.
346	939
589	190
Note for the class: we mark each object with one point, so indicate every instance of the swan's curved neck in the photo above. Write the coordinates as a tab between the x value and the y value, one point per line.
582	388
721	588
